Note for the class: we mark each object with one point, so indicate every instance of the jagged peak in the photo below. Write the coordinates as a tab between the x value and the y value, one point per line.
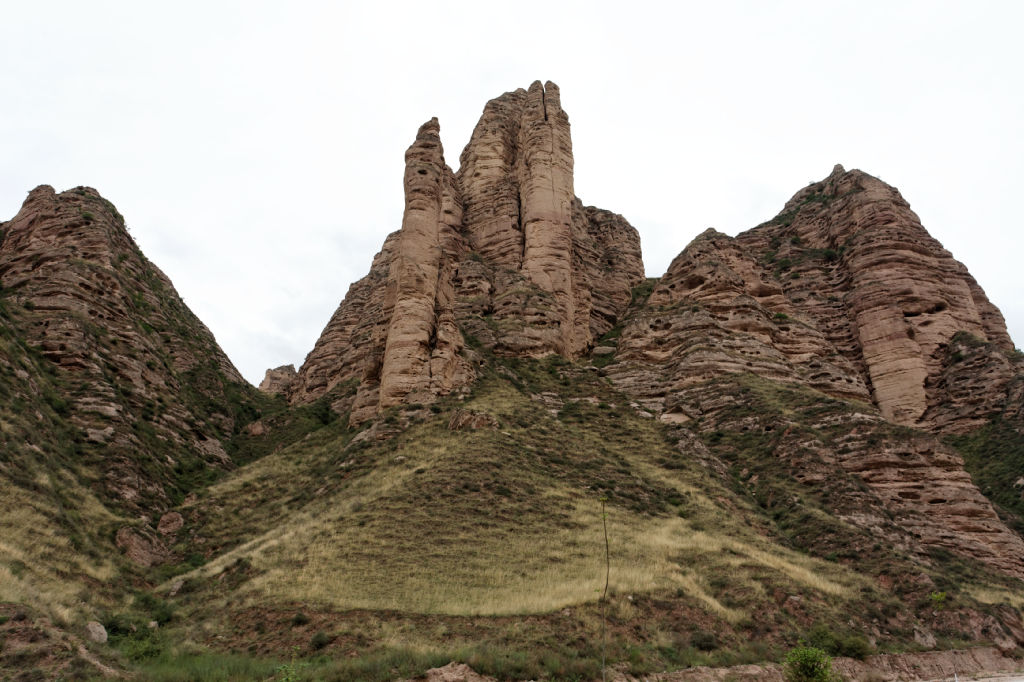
711	233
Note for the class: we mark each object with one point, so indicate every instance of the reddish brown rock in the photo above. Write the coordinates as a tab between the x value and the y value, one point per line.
844	291
142	547
470	419
278	380
421	354
170	523
888	296
136	361
394	338
718	309
560	272
502	251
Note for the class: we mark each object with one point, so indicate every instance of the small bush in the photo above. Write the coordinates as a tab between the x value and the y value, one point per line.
852	646
157	608
300	619
807	664
320	640
705	641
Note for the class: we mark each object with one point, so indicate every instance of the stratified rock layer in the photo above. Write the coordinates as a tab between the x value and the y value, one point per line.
146	381
503	251
846	293
278	380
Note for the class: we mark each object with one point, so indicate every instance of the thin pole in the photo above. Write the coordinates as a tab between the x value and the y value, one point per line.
604	599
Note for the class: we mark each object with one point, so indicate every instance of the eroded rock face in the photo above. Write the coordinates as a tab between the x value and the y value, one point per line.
718	309
844	291
278	380
421	354
890	296
502	251
121	339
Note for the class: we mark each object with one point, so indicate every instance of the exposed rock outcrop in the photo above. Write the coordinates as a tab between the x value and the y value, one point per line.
888	296
843	291
146	381
278	380
502	251
846	293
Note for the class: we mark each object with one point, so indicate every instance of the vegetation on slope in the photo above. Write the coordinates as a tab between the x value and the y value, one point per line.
380	552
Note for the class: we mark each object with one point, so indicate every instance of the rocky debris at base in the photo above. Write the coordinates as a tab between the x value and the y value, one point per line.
931	665
976	664
453	672
96	632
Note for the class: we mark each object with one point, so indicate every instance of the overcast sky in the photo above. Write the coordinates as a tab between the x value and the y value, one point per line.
256	148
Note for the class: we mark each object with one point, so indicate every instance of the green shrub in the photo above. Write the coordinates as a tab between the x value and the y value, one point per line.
807	664
320	640
300	619
852	645
705	641
157	608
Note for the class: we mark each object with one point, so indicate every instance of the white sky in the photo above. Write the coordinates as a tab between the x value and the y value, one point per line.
256	148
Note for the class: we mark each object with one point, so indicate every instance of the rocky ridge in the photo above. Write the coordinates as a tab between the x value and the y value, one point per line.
502	251
812	377
843	292
142	379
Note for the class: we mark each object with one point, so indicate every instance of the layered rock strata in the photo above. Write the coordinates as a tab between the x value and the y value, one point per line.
145	379
843	291
278	380
914	493
502	251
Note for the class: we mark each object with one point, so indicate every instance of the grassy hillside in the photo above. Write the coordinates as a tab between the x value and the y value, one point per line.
362	555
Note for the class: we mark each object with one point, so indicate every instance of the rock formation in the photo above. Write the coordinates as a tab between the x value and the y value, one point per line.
145	379
278	380
501	250
843	291
846	293
820	381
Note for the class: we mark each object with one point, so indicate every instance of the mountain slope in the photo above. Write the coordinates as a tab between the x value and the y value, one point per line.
117	403
796	434
501	253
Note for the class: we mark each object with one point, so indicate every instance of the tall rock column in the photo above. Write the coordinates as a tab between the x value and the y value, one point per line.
414	272
502	251
546	198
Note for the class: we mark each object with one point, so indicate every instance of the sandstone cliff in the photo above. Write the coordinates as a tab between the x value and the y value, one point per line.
278	380
843	291
502	251
846	293
142	379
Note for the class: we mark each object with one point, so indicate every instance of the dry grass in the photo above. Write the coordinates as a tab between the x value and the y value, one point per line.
997	595
495	522
40	565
